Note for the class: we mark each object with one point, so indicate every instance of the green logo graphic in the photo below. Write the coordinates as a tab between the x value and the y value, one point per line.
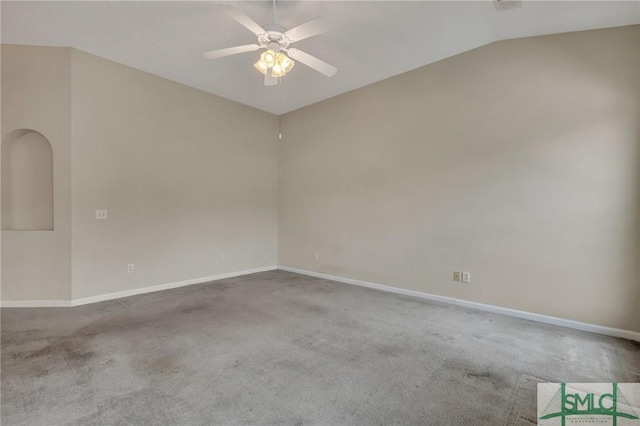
612	404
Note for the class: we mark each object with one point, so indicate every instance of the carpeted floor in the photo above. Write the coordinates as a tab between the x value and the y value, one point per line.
281	348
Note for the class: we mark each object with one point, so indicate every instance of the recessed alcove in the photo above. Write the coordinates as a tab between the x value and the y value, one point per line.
27	181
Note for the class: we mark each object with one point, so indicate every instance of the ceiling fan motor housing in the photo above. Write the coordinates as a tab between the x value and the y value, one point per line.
274	38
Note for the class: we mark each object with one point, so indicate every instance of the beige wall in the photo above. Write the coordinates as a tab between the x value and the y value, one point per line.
36	96
185	176
638	193
517	161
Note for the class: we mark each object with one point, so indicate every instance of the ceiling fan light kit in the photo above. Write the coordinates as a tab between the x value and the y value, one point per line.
274	63
277	62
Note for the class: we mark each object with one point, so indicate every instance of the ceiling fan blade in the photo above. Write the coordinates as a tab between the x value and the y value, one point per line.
243	19
308	29
269	80
312	62
214	54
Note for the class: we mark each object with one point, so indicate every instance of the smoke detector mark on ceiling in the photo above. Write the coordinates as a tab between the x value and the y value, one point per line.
507	4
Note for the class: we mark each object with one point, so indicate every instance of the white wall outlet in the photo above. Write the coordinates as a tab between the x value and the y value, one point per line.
131	268
101	214
225	256
316	255
466	277
456	276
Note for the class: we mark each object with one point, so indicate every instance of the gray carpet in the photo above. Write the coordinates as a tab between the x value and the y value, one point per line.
280	348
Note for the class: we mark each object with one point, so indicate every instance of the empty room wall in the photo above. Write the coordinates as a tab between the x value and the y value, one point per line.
638	199
517	162
184	175
36	264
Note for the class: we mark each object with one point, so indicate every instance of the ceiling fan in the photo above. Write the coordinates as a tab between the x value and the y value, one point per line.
277	41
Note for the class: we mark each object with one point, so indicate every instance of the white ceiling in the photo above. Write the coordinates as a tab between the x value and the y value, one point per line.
369	40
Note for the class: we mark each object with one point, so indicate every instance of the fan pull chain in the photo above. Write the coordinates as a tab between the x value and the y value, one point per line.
279	108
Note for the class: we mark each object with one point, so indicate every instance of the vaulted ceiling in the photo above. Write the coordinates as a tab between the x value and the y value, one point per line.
369	40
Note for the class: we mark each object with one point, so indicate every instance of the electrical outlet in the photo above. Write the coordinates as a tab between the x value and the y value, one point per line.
466	277
225	256
131	268
316	255
456	276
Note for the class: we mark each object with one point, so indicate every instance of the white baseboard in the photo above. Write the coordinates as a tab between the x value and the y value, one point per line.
35	303
577	325
126	293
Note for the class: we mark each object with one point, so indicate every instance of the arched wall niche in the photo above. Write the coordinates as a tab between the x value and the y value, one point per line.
27	181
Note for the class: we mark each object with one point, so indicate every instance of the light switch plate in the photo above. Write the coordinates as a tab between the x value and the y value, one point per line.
101	214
